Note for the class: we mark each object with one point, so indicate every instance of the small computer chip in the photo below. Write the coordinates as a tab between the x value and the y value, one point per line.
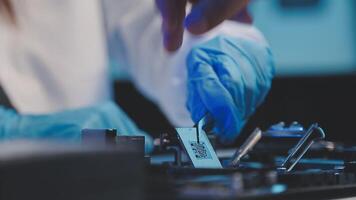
200	150
202	153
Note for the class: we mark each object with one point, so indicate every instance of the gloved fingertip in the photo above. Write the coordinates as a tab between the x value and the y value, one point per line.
172	46
196	25
172	41
229	137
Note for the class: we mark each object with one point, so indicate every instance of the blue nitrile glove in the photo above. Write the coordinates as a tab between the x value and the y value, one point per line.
227	79
67	125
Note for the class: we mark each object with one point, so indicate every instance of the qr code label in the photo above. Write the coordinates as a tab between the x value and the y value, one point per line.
200	150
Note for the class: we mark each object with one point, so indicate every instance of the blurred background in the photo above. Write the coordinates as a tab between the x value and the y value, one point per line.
314	44
309	37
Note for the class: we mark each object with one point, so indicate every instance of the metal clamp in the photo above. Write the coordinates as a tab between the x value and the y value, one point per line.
313	134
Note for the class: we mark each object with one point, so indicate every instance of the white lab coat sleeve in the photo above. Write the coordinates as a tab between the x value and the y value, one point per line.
55	57
136	43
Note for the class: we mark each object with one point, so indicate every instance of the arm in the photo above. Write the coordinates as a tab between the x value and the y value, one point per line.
67	125
162	76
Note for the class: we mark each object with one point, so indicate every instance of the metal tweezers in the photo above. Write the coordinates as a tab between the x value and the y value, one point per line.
246	147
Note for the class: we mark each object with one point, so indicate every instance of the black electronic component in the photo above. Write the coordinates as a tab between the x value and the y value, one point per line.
111	137
42	171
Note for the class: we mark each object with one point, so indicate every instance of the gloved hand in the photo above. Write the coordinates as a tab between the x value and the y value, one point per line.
67	125
227	79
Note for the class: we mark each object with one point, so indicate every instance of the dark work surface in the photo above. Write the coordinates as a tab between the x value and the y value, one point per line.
330	101
66	172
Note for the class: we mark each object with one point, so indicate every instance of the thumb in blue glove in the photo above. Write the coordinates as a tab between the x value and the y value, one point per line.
228	78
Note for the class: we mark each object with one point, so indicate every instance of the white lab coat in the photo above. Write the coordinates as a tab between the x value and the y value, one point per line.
58	56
